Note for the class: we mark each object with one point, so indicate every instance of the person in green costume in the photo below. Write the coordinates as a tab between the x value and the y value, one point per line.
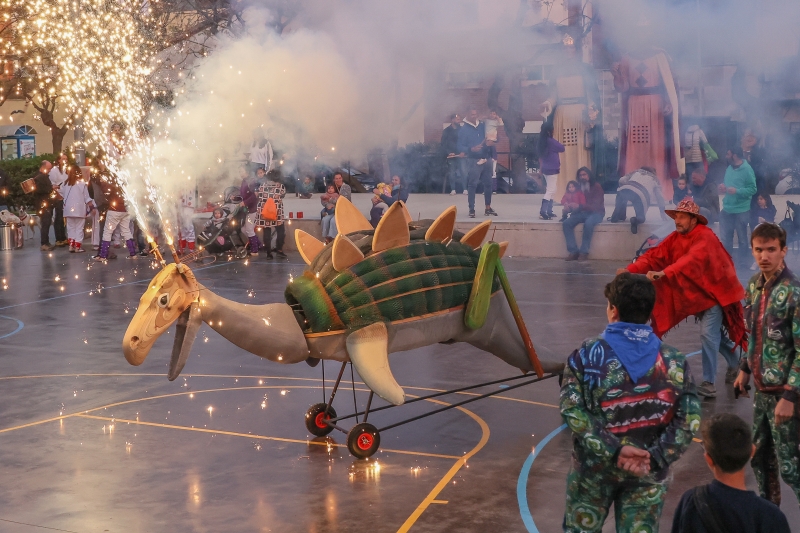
772	312
631	404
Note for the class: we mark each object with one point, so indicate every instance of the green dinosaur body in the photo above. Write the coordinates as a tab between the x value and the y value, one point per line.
400	283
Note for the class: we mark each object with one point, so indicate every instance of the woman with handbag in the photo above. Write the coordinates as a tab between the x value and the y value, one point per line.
77	206
270	213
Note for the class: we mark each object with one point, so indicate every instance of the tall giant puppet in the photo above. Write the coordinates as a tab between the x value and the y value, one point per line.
573	108
649	130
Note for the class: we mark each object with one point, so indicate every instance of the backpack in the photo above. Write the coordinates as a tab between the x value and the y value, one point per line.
269	211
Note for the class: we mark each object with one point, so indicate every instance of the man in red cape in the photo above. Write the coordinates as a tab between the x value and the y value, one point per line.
694	275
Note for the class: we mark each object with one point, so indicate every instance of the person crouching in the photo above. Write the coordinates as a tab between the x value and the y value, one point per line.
631	405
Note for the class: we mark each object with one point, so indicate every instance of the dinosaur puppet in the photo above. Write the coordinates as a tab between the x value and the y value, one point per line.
369	293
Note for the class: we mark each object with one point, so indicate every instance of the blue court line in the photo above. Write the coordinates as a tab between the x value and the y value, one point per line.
522	481
20	325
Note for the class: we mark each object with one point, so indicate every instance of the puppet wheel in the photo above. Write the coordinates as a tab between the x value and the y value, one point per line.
363	440
241	252
316	417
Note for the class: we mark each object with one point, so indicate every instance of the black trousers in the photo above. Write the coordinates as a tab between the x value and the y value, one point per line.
281	229
53	215
623	197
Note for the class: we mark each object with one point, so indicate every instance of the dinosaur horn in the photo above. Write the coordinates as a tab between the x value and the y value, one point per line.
442	228
345	253
392	230
308	246
503	248
475	236
348	218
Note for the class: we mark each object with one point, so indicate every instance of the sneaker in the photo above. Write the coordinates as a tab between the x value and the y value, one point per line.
253	254
47	248
62	243
572	257
707	390
270	256
731	374
583	257
465	192
471	213
634	225
98	258
144	253
491	212
79	251
453	192
280	254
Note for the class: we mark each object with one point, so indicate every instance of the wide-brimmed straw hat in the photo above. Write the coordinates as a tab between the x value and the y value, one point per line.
687	206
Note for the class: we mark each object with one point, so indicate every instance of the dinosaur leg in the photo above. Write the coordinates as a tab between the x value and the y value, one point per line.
368	349
481	295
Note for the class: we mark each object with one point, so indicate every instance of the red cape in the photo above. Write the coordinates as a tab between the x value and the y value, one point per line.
699	274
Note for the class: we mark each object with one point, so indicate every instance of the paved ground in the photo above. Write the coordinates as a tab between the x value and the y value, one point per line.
89	443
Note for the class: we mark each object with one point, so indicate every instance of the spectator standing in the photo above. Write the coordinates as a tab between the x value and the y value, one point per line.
260	152
725	504
116	217
77	205
449	148
550	166
247	190
275	190
472	142
705	195
641	189
43	197
739	186
399	192
693	151
623	445
773	318
589	214
694	275
185	217
492	123
58	175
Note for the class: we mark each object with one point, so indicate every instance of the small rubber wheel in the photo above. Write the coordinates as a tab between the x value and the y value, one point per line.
363	440
241	252
315	419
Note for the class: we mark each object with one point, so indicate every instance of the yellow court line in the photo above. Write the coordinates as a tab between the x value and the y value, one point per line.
29	424
252	435
429	499
41	376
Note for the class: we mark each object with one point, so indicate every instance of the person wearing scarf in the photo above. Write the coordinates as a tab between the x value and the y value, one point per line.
694	275
631	405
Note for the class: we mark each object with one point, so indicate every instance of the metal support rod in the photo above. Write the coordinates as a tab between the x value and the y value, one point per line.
369	402
335	387
459	404
437	394
523	330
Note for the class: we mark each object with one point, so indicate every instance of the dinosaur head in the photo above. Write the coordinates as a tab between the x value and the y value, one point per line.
171	292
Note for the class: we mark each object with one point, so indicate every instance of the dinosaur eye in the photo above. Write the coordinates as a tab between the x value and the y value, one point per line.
163	300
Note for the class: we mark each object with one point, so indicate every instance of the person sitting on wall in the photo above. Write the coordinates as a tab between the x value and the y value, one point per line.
589	214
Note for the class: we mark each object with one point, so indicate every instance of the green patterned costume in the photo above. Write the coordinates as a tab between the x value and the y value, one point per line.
772	311
605	410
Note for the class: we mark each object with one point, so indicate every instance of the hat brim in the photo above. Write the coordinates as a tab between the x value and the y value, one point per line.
700	218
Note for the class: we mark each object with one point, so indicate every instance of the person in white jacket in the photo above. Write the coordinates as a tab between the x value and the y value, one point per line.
77	205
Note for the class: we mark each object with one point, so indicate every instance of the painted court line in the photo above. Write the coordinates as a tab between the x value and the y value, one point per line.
20	325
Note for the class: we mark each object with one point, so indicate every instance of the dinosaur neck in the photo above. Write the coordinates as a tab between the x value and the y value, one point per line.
269	331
